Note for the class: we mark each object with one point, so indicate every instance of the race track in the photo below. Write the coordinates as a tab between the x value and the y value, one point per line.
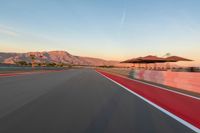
77	101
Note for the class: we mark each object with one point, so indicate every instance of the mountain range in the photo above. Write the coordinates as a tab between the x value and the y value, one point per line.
54	57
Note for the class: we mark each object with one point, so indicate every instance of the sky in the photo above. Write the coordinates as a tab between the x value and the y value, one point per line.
108	29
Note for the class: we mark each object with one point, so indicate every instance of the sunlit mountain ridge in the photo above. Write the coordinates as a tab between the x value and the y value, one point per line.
54	57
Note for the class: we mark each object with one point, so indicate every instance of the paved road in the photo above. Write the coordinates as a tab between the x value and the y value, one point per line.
76	101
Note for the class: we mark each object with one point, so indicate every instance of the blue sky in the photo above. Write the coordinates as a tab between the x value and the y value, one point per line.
110	29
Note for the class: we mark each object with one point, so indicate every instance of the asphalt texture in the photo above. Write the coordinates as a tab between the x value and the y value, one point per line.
77	101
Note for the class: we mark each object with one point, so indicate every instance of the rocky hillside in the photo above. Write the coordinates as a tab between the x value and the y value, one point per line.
53	56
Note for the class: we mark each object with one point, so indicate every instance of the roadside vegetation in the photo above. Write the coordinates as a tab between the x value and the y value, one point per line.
48	64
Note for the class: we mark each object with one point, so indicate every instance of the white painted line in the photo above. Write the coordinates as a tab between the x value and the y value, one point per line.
161	87
187	124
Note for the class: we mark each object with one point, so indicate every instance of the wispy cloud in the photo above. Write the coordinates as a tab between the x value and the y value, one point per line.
8	31
123	18
25	37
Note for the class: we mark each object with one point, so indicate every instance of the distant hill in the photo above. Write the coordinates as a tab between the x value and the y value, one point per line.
54	56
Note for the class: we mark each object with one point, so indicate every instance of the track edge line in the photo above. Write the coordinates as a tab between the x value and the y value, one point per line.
185	123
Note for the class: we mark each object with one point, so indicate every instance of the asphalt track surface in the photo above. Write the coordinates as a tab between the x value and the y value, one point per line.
77	101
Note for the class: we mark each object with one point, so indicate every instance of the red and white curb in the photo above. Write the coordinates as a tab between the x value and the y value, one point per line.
193	124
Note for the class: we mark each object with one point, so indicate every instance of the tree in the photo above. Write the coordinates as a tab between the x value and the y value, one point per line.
41	60
61	64
167	55
51	64
32	56
22	63
39	64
